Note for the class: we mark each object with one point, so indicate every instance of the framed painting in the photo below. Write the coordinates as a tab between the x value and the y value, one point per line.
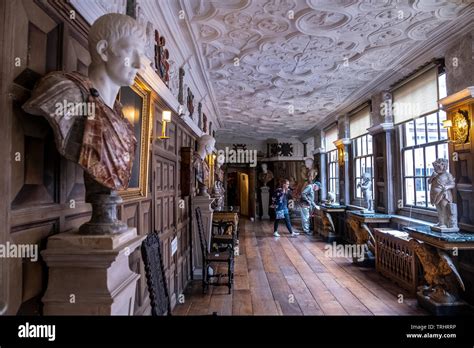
135	101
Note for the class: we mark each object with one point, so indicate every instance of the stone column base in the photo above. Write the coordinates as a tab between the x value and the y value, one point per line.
206	212
90	274
265	202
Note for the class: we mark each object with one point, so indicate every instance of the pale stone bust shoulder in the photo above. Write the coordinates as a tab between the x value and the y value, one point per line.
50	99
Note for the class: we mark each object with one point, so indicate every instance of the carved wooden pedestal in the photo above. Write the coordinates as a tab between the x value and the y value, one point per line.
90	275
358	232
330	224
437	253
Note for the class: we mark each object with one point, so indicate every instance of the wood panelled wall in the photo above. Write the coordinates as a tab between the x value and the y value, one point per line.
46	192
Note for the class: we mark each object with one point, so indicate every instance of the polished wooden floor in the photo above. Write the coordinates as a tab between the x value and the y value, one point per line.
293	276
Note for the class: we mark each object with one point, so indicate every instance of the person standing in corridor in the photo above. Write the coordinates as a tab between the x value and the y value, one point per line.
308	204
280	201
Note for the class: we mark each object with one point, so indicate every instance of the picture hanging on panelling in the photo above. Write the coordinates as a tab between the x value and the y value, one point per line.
135	101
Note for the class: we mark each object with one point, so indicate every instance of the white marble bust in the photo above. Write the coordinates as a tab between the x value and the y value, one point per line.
103	143
266	175
206	145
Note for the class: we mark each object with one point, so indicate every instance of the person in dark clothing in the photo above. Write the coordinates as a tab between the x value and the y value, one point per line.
280	200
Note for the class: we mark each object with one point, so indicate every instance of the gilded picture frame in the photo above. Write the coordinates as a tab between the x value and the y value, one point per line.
136	105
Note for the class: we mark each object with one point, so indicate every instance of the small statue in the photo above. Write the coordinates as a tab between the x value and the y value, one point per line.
218	189
441	196
190	103
206	145
200	116
311	172
161	49
166	67
307	175
181	74
331	198
266	176
204	123
366	187
157	52
150	41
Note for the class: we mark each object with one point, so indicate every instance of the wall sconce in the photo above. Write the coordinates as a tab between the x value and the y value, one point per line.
165	118
458	127
447	124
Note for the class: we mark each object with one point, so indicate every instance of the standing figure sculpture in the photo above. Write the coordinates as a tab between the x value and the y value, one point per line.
218	189
190	103
266	175
441	196
366	187
330	198
102	142
206	145
307	176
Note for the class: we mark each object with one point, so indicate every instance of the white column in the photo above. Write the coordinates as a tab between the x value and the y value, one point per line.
206	212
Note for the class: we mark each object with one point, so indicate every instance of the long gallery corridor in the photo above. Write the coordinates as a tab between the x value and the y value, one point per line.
293	276
207	159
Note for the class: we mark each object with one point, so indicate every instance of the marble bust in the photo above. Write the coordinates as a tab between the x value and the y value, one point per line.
310	171
441	196
206	145
331	198
87	120
366	186
266	175
307	174
218	189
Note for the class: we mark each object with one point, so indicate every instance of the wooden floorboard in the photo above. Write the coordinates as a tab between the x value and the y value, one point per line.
294	276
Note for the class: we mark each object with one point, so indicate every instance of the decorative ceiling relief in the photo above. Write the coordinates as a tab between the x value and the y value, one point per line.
280	67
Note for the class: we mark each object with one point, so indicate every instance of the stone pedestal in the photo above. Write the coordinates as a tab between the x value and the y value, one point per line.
104	209
206	211
265	202
332	227
368	260
90	274
455	307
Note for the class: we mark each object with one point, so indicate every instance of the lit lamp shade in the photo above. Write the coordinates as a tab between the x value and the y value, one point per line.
166	116
447	124
129	113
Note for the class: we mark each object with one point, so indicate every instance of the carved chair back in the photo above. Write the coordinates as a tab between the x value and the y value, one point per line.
155	275
202	236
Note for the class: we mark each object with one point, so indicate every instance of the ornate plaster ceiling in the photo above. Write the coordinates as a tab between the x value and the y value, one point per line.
280	67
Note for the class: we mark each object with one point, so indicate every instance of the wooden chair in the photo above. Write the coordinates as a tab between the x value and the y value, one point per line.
155	275
220	236
215	257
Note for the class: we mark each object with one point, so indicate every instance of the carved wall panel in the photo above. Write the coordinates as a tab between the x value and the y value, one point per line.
33	274
171	207
463	167
37	202
47	192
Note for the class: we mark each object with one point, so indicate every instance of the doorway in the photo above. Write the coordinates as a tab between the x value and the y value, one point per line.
240	189
244	193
